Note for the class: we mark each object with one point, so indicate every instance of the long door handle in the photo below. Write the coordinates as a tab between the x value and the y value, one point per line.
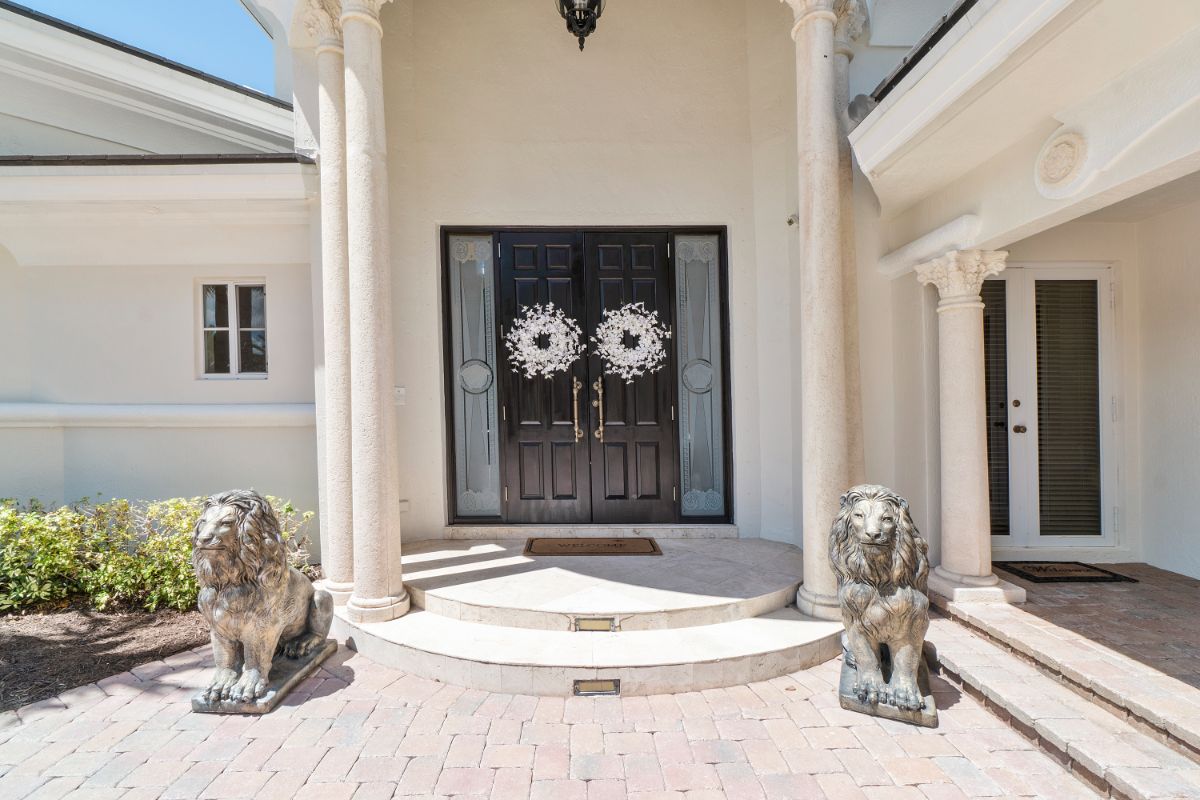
576	385
598	404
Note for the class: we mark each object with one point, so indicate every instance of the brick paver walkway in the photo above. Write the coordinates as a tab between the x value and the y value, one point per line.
1152	621
363	731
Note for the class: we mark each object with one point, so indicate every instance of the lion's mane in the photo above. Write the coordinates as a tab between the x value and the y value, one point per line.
909	565
261	559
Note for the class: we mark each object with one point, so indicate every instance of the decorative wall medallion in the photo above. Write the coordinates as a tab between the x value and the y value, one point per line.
648	353
1060	162
561	334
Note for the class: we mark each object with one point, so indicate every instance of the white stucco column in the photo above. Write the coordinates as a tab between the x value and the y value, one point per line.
337	543
379	593
965	573
824	425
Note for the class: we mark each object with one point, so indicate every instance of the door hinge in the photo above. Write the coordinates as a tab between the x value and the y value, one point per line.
1116	519
674	492
1112	296
1114	409
668	249
672	413
506	494
504	412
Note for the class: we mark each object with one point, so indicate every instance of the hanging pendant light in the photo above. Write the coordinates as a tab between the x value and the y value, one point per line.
581	16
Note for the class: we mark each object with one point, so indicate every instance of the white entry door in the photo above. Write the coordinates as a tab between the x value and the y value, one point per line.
1050	406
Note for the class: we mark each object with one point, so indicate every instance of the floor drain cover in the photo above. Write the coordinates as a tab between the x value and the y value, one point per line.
592	546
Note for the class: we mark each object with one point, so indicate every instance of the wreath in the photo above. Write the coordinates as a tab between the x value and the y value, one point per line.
564	341
648	353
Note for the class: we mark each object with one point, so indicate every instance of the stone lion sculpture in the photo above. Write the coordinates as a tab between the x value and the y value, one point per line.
882	567
256	604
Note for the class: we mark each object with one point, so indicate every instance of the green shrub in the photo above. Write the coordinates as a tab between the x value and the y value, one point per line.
113	554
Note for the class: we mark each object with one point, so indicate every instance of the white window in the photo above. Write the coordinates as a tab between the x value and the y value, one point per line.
233	322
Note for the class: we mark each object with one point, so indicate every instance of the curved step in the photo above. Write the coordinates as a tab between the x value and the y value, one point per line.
538	662
694	582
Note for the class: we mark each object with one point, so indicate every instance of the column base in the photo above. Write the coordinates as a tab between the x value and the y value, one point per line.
359	609
973	588
340	592
818	606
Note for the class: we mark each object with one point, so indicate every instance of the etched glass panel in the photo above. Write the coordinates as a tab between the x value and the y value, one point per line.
473	377
701	437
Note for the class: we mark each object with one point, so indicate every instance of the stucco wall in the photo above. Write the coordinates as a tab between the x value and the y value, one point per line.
100	322
1170	387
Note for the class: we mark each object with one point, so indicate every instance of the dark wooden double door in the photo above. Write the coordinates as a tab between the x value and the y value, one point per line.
584	446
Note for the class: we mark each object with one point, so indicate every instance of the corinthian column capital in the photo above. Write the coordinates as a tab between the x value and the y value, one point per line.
366	10
959	275
850	24
323	21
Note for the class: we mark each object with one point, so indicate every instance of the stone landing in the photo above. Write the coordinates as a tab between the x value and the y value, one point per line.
707	613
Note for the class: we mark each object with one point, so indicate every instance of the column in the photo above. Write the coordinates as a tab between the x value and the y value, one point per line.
337	543
379	593
965	573
824	426
852	20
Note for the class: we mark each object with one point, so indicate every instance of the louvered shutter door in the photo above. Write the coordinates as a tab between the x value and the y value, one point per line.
995	351
1068	381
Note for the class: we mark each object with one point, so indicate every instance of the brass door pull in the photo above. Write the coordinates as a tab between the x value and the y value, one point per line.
1019	429
598	404
576	385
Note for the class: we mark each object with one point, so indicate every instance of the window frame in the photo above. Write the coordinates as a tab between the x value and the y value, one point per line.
231	286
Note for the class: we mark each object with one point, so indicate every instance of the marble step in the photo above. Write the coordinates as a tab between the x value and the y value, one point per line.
694	582
539	662
1107	750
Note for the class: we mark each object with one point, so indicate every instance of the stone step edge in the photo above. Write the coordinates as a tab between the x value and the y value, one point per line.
546	679
1183	740
661	531
1085	758
559	621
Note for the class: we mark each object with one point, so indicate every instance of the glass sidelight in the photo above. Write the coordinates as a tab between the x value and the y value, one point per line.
1045	339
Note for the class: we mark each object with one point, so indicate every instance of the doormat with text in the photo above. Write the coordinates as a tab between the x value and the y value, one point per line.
1061	572
592	546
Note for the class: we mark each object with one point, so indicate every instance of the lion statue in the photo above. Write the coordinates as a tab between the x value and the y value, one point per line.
882	567
256	604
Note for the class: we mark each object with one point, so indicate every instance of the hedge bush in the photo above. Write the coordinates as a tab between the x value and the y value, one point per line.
115	554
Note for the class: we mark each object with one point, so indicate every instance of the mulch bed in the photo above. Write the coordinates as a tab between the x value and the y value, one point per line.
43	654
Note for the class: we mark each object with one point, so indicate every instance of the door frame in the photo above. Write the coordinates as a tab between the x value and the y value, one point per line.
720	231
1022	382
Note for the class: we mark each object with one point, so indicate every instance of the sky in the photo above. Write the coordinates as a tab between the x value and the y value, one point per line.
214	36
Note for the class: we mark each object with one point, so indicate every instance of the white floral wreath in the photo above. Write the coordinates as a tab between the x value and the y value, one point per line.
563	349
648	355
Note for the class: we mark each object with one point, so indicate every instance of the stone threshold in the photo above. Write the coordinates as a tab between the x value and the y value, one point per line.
1109	752
1159	705
658	531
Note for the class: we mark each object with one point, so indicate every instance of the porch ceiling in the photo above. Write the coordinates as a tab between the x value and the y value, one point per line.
1002	76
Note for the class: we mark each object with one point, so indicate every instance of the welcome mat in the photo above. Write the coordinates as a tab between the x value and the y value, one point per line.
592	546
1061	572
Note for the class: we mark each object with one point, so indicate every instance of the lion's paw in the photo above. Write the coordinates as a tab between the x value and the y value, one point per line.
223	679
301	646
870	688
906	695
251	686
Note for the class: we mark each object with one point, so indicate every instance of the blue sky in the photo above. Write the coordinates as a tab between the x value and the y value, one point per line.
214	36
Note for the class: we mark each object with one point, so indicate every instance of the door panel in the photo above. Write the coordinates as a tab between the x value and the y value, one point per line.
635	465
1045	334
545	469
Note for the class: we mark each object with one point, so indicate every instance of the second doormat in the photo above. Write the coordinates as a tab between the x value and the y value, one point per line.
592	546
1061	572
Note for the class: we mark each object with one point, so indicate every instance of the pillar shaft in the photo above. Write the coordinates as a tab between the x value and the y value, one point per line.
825	457
379	593
966	529
337	542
